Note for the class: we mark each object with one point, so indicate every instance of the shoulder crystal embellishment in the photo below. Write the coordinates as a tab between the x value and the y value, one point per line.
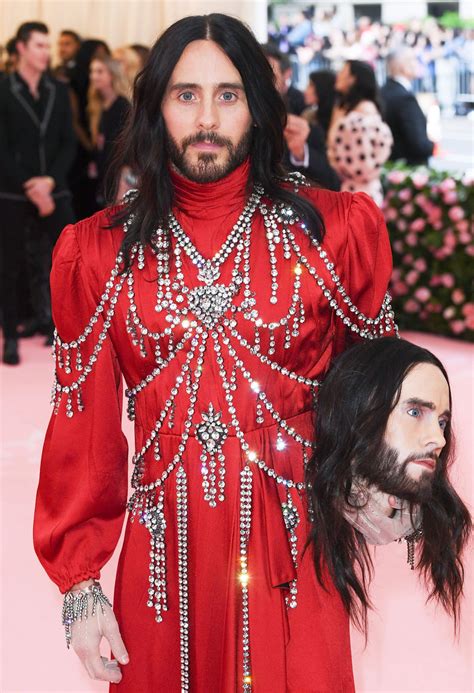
209	303
211	432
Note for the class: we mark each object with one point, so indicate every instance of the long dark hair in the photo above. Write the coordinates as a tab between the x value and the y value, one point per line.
354	403
323	82
143	144
365	87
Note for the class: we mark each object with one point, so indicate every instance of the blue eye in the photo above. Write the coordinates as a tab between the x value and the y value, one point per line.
414	411
443	424
228	96
186	96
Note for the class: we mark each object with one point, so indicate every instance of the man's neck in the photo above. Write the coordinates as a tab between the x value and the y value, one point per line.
31	77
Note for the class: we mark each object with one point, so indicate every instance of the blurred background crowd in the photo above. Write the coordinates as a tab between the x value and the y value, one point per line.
364	102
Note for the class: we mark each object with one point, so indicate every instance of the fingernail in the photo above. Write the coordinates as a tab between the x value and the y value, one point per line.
124	659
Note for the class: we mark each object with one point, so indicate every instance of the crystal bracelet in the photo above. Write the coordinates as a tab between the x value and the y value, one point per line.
76	606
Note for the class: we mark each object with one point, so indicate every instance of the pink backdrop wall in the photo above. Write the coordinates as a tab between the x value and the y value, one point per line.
411	645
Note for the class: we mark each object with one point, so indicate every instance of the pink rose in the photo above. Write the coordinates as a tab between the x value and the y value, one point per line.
411	306
408	259
412	277
399	288
437	225
449	239
447	280
405	194
423	294
420	264
456	213
462	226
391	214
450	197
469	322
468	309
435	280
449	313
468	178
418	225
420	179
421	200
447	184
398	246
411	239
457	326
401	225
396	177
465	237
470	250
396	274
458	296
434	214
408	209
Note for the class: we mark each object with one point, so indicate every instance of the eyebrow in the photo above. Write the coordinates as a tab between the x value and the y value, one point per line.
193	85
427	405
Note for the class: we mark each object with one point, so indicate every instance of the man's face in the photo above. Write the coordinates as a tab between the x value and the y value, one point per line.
206	114
67	47
36	52
415	427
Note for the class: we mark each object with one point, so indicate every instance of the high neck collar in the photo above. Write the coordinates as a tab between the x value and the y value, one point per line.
211	200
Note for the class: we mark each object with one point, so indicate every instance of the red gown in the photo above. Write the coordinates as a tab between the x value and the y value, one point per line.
81	501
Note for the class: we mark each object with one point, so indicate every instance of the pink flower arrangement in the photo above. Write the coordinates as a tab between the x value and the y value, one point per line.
429	215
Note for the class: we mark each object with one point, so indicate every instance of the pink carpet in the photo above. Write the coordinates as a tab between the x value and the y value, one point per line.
411	645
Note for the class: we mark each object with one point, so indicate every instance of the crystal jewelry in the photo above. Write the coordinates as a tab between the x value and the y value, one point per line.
411	541
76	606
204	320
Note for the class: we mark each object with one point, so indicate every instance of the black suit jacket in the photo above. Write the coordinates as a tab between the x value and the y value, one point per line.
407	123
36	138
318	168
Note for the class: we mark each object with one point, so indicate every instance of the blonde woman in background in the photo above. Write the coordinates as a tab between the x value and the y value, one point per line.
107	107
359	142
131	63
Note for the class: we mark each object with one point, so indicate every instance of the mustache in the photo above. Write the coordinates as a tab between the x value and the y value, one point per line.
208	137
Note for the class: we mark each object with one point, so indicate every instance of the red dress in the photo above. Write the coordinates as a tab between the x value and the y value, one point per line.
224	530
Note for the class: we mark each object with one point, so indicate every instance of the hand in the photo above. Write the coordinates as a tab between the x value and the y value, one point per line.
296	133
44	202
380	518
86	636
39	185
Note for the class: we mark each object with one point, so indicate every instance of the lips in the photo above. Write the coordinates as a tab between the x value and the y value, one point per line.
206	146
427	463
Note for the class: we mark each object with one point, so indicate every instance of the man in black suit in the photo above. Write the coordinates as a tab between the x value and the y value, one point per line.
402	111
37	146
305	144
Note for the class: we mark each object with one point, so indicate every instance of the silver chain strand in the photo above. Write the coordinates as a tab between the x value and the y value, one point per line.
182	528
245	524
76	606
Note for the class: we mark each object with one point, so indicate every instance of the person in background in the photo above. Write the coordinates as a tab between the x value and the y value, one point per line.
131	64
319	96
108	107
37	147
83	174
69	43
359	142
12	56
305	144
404	115
281	66
142	51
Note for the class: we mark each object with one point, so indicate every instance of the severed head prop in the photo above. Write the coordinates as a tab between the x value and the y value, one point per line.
384	435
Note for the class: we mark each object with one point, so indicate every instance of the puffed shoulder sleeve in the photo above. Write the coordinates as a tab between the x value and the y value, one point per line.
367	261
82	491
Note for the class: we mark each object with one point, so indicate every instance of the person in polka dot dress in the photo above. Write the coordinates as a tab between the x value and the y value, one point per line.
359	142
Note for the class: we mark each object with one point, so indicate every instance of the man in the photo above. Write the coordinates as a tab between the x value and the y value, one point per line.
384	445
37	147
69	43
306	145
221	304
403	113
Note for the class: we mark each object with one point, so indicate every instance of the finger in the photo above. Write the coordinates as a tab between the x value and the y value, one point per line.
100	672
112	632
395	502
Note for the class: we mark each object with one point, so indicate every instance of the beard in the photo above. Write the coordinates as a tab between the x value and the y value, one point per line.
207	169
390	474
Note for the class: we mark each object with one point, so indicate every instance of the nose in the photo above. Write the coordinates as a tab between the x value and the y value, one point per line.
433	435
208	114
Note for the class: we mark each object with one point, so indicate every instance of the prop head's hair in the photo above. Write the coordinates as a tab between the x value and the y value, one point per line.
354	404
143	145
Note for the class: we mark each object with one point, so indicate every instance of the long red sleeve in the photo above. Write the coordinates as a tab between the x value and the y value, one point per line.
81	498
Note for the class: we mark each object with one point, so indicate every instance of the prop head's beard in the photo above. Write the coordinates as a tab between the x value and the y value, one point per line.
391	475
206	170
